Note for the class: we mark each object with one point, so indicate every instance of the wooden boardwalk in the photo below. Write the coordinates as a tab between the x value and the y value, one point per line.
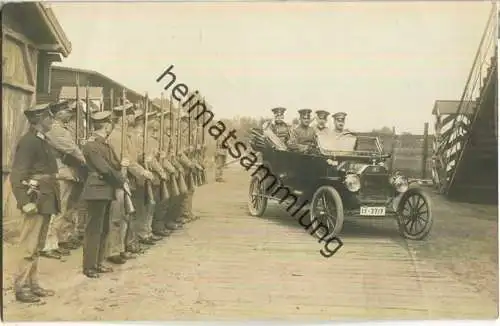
229	265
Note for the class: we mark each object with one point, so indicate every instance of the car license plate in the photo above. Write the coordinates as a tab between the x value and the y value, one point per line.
372	211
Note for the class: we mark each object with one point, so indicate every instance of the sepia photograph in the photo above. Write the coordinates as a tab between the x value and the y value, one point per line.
300	161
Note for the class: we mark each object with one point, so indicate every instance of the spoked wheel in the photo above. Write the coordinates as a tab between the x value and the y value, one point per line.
257	202
326	212
415	215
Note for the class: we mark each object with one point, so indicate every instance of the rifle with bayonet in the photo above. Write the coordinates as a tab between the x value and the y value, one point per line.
78	112
198	150
88	113
190	151
182	156
183	183
127	200
164	193
150	199
173	150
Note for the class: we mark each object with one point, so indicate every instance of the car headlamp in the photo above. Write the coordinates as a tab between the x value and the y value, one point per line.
352	182
400	183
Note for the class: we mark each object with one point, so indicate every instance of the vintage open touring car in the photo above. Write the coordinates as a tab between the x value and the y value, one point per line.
342	177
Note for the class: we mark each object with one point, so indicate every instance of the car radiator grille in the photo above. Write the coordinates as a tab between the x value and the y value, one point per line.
374	186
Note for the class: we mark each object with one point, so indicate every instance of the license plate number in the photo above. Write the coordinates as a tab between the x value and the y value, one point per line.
372	211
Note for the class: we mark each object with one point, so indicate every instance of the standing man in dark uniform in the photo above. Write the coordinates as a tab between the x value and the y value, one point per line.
104	179
303	137
36	190
278	126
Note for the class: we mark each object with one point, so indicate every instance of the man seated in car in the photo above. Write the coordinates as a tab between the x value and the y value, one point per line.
339	123
303	137
321	120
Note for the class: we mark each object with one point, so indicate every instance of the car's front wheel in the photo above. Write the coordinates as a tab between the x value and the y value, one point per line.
415	215
257	200
326	212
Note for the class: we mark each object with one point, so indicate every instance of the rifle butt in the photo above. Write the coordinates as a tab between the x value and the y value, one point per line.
129	205
165	195
150	198
174	187
183	188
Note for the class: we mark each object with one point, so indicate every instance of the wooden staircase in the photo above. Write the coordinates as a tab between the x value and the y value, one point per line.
466	153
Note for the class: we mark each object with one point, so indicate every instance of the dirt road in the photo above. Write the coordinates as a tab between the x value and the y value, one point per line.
229	265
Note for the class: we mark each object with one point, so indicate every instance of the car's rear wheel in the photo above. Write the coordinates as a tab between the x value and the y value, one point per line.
326	212
257	200
415	215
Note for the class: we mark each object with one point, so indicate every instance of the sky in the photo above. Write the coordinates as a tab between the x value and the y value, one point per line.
382	63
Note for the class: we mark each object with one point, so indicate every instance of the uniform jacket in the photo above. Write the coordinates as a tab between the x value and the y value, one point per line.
302	137
282	130
104	170
34	156
63	141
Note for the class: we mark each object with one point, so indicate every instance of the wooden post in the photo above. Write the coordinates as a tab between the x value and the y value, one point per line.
393	148
425	150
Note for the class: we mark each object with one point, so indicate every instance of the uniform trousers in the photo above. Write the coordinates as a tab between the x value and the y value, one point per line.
58	230
144	213
220	160
96	233
32	238
119	220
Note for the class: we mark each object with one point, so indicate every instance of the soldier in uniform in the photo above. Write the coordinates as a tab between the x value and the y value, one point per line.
161	226
138	176
303	137
103	181
186	203
220	156
321	118
278	126
36	190
150	161
116	252
339	123
70	161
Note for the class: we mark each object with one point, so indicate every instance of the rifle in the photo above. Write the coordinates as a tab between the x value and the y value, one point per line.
129	206
150	199
87	116
172	151
194	172
199	159
183	185
78	113
164	194
188	175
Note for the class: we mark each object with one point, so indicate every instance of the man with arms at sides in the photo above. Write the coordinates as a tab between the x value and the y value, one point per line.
303	137
69	160
36	190
103	181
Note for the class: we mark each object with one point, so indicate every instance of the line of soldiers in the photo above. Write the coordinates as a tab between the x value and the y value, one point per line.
303	136
119	192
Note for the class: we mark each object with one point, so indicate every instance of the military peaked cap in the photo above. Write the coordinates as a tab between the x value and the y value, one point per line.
322	114
305	112
128	107
279	110
340	115
101	116
38	110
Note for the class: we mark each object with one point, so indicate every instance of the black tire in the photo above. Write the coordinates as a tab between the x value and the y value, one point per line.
415	210
257	204
333	221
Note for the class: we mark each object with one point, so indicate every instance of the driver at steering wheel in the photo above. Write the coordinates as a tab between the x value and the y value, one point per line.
339	122
303	137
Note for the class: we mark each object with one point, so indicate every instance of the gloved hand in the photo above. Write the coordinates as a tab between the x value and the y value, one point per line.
148	175
30	209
